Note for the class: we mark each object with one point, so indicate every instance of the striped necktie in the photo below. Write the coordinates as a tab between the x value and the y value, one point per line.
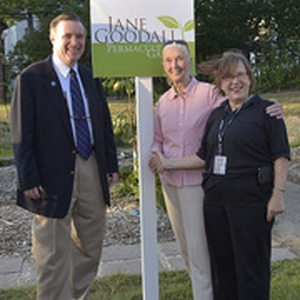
84	146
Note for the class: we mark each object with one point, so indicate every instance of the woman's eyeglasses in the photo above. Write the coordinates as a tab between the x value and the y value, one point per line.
238	76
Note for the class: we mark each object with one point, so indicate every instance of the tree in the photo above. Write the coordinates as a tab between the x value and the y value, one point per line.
249	25
286	18
269	29
35	45
19	10
225	24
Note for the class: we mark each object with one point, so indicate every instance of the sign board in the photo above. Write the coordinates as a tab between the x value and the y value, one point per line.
127	37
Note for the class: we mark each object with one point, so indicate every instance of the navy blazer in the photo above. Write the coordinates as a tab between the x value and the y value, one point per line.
43	141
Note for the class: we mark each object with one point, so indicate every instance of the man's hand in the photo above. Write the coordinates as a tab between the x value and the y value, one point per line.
35	193
112	178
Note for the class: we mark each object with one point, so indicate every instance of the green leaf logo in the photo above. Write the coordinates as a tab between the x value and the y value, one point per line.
188	26
169	22
172	23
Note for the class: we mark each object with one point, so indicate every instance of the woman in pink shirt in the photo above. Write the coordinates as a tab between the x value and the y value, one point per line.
181	116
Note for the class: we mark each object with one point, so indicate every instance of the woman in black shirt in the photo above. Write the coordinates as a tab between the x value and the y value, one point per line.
245	153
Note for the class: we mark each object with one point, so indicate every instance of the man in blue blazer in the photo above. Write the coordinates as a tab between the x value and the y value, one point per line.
67	192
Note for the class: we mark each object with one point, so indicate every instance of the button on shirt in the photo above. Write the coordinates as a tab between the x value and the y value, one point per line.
179	127
63	73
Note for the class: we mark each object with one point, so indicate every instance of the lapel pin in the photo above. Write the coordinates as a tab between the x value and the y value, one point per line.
53	83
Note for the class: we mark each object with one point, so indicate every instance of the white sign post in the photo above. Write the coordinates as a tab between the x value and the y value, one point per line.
127	41
147	189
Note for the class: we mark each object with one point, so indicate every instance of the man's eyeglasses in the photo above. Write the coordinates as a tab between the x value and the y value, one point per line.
178	42
238	76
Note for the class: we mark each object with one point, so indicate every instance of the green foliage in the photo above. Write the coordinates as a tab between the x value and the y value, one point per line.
5	144
258	27
120	87
160	200
31	48
278	66
284	18
124	126
124	88
5	139
268	29
13	11
128	183
219	26
128	186
124	122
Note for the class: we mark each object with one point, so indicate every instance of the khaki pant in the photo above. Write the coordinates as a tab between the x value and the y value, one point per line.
185	209
67	251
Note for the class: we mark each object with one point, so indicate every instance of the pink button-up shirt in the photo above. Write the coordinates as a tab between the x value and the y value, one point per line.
179	127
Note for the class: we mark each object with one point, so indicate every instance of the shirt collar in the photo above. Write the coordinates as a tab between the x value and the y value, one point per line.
61	67
188	90
252	99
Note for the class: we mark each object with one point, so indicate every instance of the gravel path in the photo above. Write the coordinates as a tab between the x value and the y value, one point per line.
122	218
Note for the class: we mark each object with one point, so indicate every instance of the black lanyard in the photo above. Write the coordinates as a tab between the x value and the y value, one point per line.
223	127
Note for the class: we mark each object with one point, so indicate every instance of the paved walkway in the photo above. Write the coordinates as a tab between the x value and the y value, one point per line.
14	271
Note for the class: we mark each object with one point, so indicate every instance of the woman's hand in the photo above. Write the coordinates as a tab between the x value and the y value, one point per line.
275	110
276	204
156	161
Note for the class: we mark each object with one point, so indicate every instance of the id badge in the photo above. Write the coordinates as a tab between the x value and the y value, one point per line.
220	165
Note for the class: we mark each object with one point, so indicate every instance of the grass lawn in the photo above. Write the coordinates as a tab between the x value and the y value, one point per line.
289	99
291	107
173	285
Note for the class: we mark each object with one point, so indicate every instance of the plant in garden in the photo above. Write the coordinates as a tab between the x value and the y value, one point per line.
278	65
5	139
128	183
124	126
124	123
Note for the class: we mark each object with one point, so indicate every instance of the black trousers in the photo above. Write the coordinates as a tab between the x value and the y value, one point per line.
239	238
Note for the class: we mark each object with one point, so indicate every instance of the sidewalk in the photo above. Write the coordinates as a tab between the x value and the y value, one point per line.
14	271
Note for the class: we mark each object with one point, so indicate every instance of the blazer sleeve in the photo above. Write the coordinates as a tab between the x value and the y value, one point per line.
22	118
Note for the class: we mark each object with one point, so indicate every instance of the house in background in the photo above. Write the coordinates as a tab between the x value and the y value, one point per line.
12	35
9	38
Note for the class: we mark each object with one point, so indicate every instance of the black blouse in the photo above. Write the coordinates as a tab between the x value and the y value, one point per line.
252	139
